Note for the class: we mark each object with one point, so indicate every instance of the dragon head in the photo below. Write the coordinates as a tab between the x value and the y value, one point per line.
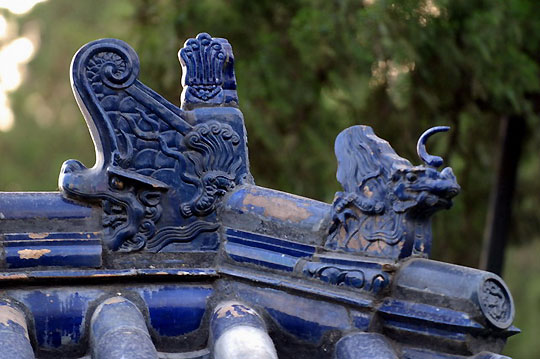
130	201
422	190
387	202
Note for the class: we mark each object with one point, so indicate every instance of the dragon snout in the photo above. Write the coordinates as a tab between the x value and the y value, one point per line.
78	180
69	173
454	191
451	191
447	187
71	166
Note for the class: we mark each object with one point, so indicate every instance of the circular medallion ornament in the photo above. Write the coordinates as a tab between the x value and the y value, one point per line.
496	303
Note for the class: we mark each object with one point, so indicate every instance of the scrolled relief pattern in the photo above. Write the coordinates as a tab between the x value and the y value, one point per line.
131	210
496	303
152	157
207	158
369	280
203	59
111	68
213	152
115	216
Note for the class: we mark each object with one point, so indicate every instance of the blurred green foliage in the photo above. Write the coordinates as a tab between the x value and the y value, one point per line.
307	69
524	283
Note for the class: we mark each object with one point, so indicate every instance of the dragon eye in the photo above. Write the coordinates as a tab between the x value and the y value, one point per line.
411	177
116	183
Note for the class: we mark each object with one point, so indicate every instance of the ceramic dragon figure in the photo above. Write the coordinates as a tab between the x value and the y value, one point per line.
387	203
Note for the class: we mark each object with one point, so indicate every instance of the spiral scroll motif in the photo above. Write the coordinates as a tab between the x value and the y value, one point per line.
112	63
213	151
149	157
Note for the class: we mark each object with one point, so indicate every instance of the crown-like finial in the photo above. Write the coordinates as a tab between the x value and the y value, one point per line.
208	72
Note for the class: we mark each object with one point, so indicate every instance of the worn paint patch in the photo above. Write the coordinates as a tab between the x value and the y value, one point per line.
109	301
9	314
235	310
38	235
281	208
65	339
14	276
367	192
114	300
32	253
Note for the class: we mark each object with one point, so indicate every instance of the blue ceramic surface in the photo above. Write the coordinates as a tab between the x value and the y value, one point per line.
166	247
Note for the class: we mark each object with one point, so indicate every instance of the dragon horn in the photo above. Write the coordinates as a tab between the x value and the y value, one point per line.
430	160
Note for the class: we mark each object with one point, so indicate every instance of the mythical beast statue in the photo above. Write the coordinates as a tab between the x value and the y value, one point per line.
387	204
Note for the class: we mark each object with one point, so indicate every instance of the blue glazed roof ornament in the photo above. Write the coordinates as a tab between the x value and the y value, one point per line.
208	72
167	248
159	170
387	202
